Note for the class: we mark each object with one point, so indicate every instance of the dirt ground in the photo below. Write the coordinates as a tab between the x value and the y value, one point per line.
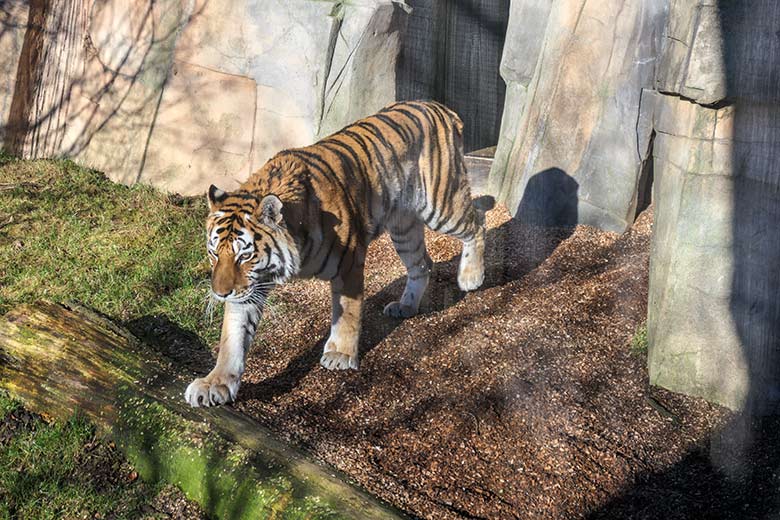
520	400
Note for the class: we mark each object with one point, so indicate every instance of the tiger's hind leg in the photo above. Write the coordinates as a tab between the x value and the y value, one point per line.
464	220
408	234
471	270
446	206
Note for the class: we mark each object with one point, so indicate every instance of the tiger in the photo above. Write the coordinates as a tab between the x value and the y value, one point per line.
313	211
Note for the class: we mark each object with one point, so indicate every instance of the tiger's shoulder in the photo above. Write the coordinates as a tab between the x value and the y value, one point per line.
283	175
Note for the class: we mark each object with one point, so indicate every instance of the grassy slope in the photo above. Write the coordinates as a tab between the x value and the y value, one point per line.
68	233
61	471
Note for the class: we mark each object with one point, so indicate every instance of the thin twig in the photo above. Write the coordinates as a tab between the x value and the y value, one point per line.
13	186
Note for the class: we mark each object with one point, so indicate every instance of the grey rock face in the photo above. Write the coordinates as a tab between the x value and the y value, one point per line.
692	62
182	95
594	92
575	72
361	76
714	308
693	342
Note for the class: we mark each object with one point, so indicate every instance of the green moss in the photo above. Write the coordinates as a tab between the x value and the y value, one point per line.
26	335
639	341
219	475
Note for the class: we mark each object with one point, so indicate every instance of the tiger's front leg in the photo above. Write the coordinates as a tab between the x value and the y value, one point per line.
341	349
220	386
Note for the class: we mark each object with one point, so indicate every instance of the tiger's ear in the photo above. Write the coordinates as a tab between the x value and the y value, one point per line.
270	209
216	196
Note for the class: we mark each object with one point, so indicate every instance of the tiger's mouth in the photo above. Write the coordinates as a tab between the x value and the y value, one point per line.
255	294
246	296
230	297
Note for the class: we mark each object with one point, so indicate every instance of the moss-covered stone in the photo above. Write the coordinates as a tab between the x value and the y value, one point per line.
60	360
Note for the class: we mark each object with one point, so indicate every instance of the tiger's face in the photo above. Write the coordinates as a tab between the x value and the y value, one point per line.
247	245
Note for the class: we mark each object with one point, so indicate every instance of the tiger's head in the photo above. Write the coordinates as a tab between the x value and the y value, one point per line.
248	245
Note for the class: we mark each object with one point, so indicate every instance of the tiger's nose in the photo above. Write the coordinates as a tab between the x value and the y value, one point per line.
222	295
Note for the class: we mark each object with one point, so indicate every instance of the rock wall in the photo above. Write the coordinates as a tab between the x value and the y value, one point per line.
603	96
714	309
183	94
575	71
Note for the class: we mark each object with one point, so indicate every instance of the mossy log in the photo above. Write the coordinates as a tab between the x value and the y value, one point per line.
60	360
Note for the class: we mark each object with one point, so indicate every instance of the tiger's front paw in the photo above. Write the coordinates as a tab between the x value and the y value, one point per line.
335	358
212	390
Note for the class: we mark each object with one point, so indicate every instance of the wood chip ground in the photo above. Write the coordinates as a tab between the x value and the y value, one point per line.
520	400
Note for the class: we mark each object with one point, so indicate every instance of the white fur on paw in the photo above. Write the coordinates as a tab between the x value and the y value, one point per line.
470	279
397	310
337	361
211	391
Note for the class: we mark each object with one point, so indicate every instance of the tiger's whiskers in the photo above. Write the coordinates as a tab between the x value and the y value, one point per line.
208	311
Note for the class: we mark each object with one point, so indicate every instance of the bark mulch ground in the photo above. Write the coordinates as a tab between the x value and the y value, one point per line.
520	400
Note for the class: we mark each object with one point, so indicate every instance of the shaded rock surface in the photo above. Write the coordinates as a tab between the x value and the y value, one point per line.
714	285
